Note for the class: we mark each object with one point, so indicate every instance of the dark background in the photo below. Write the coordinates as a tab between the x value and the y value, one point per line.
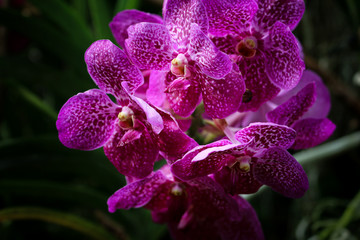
52	192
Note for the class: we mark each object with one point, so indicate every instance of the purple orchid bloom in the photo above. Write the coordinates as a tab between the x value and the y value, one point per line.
305	111
196	209
190	64
257	35
131	132
126	18
303	108
256	155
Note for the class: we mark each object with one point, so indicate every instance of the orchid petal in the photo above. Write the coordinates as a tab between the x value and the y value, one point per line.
267	135
174	143
136	194
251	228
235	181
312	132
152	116
149	46
155	93
229	17
135	158
321	107
183	102
178	17
279	170
87	120
257	82
126	18
186	168
211	61
111	70
294	108
285	65
222	97
289	12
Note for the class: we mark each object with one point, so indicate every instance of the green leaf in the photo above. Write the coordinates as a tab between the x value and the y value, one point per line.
68	220
125	4
37	102
101	17
68	19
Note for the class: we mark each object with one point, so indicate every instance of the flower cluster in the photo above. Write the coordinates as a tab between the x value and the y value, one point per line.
242	62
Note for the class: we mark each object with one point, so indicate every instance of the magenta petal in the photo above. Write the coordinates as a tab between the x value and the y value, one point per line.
321	107
183	102
155	93
203	51
250	225
236	181
289	12
257	82
294	108
279	170
229	17
149	46
136	158
178	17
222	97
111	70
186	168
226	44
152	116
126	18
267	135
87	120
285	65
174	143
136	194
311	132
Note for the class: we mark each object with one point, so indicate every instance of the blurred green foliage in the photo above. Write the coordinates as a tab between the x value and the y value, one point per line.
49	191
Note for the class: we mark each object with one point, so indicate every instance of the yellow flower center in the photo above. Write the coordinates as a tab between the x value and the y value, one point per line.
179	66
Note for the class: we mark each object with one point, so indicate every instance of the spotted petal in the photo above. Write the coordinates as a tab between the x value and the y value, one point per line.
266	135
222	97
312	132
126	18
289	12
294	108
155	93
178	17
111	70
203	51
235	181
87	120
184	101
152	116
205	160
284	63
149	46
279	170
229	17
135	158
136	194
174	143
321	107
257	82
